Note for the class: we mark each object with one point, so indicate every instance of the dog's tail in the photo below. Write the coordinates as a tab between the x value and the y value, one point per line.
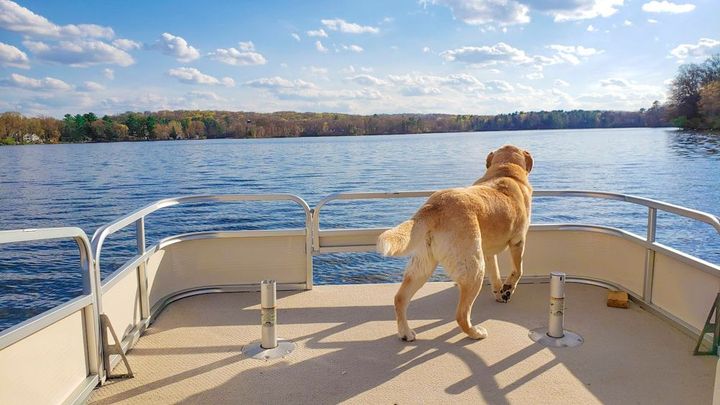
401	240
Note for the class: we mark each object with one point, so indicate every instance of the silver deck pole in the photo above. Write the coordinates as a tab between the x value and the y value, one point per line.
557	305
555	334
268	314
270	346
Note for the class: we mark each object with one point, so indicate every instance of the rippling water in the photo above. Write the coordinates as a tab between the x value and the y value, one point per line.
90	185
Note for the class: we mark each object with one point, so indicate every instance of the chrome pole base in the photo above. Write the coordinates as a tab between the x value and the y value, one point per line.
256	351
569	339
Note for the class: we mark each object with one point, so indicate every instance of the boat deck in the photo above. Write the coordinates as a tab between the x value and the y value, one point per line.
348	350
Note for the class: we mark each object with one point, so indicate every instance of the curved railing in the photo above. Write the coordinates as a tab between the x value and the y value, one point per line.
138	217
50	344
139	261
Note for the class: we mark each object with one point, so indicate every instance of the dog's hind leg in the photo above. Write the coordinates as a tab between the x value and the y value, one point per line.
417	272
469	290
492	269
468	273
511	282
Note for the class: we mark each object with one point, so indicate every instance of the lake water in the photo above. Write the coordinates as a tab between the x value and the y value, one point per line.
93	184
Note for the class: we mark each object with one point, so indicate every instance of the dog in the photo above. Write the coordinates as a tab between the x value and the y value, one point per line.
464	229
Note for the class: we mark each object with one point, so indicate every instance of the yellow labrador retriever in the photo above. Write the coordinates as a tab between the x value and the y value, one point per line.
464	229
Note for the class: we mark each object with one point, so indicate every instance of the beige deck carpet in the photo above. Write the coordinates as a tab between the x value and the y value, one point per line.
348	352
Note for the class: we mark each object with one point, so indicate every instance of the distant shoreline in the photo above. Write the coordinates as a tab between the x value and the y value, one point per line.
344	136
171	125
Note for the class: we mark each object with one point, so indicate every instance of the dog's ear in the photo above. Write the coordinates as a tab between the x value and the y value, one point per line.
528	161
488	161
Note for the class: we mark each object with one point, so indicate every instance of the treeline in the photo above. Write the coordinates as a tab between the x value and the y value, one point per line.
695	95
166	125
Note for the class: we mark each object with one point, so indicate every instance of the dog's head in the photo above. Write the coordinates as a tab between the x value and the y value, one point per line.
510	154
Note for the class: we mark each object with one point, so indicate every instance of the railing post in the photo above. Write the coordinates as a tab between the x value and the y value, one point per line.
309	248
142	275
650	255
91	286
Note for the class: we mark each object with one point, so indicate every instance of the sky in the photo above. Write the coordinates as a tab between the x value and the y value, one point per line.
364	57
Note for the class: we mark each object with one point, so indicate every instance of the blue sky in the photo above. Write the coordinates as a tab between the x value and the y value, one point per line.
446	56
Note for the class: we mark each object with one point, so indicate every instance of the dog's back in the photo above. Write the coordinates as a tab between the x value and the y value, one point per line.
496	206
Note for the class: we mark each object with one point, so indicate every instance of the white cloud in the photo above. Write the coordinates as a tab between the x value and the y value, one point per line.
426	49
319	46
481	12
462	79
590	28
245	56
194	76
367	80
534	76
352	48
91	86
80	53
561	83
415	84
341	25
486	55
176	47
288	89
295	36
417	91
508	12
500	86
278	82
203	95
126	44
13	57
652	21
246	46
573	54
571	10
702	49
614	82
320	33
621	94
627	23
29	83
316	95
667	7
16	18
109	73
353	69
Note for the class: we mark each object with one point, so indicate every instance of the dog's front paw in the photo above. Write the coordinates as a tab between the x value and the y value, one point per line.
478	332
406	334
505	294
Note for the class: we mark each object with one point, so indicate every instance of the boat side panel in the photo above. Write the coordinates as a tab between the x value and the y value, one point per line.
47	366
226	261
580	253
121	303
684	291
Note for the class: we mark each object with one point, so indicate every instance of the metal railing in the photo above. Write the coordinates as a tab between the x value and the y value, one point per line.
653	206
139	261
87	302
